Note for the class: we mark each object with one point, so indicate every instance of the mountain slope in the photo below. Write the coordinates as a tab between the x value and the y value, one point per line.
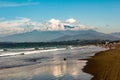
47	36
34	36
88	35
117	34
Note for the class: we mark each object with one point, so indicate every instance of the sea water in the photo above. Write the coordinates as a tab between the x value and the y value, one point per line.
46	64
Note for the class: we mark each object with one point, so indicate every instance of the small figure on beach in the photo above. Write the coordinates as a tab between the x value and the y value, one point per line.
109	45
65	59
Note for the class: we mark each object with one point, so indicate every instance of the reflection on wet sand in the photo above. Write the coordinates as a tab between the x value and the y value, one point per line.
60	68
56	69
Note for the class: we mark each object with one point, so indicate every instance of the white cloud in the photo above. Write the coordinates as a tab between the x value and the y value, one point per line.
54	24
82	27
10	30
33	25
13	26
54	21
14	23
21	25
71	20
15	4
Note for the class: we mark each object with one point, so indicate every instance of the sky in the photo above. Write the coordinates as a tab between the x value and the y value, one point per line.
17	16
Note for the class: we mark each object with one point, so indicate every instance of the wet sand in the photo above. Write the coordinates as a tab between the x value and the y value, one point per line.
54	70
105	65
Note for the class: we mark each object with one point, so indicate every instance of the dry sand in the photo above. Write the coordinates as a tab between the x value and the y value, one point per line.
105	65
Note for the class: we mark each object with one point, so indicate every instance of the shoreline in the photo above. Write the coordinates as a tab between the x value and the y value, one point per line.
104	65
59	67
31	59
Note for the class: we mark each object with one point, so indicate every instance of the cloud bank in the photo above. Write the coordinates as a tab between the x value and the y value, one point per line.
12	26
21	25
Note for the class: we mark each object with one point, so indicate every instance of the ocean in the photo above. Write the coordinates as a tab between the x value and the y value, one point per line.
50	63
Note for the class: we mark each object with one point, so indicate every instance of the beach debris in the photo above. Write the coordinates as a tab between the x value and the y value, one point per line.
69	47
22	54
36	48
64	59
4	49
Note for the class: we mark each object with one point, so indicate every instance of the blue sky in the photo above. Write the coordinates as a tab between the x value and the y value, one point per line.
102	14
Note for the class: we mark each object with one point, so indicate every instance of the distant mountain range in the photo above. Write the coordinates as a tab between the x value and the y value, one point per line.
48	36
117	34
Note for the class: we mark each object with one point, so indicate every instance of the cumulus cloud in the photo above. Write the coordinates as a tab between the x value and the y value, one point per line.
21	25
53	24
14	23
54	21
9	30
34	25
71	20
13	26
69	24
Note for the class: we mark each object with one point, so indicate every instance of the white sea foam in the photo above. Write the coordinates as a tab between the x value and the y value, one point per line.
1	50
13	52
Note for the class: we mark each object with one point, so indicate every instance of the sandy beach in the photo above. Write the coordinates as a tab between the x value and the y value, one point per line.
105	65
